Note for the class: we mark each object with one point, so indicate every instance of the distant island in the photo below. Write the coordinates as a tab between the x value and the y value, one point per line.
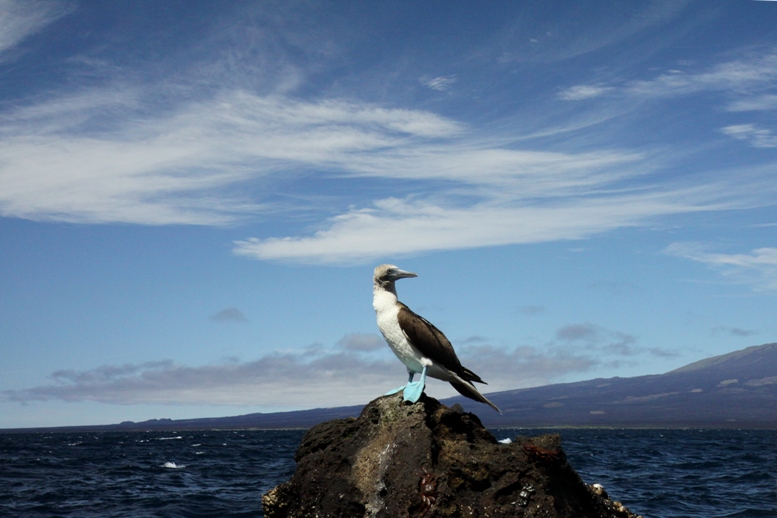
735	390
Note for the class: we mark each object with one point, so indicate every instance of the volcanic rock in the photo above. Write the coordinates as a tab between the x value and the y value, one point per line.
425	459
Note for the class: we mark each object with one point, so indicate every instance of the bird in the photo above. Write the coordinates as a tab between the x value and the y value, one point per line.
418	344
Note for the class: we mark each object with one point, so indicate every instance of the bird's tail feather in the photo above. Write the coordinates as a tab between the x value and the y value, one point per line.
468	390
468	375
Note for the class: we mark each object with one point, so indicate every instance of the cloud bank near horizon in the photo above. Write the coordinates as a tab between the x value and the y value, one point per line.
322	376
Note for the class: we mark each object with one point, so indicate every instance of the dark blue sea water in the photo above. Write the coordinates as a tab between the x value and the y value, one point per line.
656	473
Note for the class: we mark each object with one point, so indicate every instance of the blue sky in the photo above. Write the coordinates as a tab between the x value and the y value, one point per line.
193	196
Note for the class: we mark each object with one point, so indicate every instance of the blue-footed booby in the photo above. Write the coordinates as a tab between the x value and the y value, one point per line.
417	343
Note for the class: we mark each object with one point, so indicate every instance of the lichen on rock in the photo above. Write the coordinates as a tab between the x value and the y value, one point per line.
425	459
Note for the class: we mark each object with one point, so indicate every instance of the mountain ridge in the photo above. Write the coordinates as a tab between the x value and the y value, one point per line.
735	355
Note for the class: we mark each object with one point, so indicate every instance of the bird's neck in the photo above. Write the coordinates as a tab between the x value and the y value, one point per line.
384	296
384	287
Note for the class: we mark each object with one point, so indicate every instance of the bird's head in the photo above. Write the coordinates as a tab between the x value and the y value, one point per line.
386	274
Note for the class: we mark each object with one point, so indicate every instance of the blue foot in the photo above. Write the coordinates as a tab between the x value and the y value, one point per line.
413	390
391	392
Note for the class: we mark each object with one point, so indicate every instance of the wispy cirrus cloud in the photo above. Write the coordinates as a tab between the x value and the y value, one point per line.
400	227
757	268
752	134
763	102
580	92
439	83
116	154
61	162
554	195
99	157
20	19
739	76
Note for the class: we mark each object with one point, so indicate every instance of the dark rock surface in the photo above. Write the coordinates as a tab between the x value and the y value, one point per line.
425	459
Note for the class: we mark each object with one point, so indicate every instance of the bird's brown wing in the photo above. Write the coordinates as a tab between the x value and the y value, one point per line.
431	343
429	340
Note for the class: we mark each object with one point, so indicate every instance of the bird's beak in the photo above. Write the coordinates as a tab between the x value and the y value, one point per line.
401	274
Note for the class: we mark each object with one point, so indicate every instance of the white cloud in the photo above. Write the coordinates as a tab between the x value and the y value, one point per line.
20	19
181	167
737	77
97	157
108	156
758	268
755	136
523	196
580	92
440	83
396	227
754	103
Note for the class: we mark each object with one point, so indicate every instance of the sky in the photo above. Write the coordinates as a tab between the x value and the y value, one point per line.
193	196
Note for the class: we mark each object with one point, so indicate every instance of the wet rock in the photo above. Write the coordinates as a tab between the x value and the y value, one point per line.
425	459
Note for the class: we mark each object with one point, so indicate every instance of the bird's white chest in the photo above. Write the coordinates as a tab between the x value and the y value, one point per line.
386	310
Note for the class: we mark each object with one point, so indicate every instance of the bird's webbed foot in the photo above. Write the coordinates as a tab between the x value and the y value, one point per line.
413	390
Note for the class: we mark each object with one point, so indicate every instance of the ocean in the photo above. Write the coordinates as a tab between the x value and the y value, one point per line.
656	473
